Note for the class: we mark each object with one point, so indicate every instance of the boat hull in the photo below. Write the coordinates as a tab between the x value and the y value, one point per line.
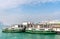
40	32
12	31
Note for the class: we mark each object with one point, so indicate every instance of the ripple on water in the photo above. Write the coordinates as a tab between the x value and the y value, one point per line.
27	36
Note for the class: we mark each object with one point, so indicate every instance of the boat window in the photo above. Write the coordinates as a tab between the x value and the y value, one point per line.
12	28
49	29
41	29
18	25
31	26
21	25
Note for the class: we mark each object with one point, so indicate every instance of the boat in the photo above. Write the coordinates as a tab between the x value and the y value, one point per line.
11	30
14	29
40	31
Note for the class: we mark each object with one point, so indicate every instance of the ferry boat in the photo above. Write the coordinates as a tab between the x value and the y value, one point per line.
40	31
51	27
14	29
11	30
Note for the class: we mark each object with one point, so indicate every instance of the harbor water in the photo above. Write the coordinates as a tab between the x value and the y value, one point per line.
27	36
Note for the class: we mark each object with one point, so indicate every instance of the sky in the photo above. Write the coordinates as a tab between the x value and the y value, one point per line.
18	11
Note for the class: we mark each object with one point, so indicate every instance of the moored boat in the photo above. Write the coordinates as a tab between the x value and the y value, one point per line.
40	31
11	30
14	29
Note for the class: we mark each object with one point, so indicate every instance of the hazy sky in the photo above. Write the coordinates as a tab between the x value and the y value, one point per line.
17	11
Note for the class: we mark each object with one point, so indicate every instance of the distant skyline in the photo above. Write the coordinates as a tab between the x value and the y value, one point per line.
17	11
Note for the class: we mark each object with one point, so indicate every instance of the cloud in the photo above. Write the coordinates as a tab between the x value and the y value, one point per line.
15	3
11	19
19	18
15	17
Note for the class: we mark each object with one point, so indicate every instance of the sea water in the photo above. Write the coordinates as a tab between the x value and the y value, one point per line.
27	36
